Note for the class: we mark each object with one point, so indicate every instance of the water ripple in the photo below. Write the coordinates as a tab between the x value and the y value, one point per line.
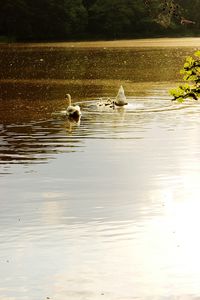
37	142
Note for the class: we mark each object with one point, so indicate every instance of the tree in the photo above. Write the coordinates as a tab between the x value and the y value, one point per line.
14	18
72	19
88	3
57	19
42	19
173	13
191	72
116	18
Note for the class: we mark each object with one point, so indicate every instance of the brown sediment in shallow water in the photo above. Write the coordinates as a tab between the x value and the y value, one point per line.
157	42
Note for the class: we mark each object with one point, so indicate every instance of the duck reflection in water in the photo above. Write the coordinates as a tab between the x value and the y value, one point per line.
71	123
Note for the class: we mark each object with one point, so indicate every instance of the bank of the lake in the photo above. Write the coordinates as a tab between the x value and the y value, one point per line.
133	43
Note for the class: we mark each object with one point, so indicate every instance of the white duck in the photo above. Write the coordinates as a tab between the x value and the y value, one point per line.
120	99
72	111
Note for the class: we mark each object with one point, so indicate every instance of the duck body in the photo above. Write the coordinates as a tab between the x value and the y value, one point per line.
72	111
120	99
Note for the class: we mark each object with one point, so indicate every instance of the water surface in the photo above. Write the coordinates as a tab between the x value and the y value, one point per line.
106	208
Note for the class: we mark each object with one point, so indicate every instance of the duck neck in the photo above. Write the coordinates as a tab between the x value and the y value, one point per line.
68	96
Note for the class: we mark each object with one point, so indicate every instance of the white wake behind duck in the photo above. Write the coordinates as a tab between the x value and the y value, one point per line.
72	111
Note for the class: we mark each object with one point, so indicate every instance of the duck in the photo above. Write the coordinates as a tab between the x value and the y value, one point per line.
100	103
120	99
108	103
72	111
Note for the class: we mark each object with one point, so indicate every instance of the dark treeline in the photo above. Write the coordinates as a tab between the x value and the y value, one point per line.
39	20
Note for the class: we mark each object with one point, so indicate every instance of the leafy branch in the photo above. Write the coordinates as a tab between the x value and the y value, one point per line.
191	73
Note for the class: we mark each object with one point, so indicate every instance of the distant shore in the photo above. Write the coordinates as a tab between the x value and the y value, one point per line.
134	43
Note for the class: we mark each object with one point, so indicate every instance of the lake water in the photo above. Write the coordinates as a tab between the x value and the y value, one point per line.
106	208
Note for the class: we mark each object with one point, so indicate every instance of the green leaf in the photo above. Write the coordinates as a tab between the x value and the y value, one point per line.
191	73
